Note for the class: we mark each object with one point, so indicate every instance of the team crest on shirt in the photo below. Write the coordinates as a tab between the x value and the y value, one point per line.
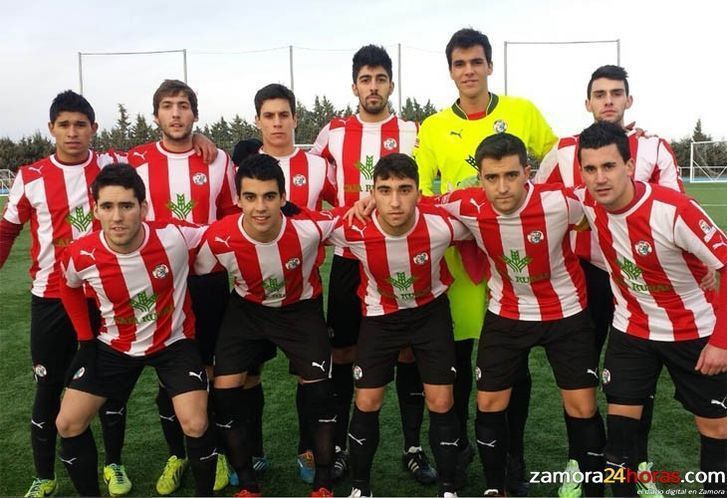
421	258
40	370
605	376
79	373
199	178
643	248
160	271
292	263
299	180
390	144
478	373
357	373
535	237
500	126
708	229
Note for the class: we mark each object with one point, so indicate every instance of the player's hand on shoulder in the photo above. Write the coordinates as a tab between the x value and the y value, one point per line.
361	210
712	360
204	147
710	281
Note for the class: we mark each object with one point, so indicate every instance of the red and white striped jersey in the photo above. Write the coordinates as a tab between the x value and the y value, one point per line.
56	199
277	273
532	272
309	179
656	252
406	271
654	162
354	147
142	295
181	186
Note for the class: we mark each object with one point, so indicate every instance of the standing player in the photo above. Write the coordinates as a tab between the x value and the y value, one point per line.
137	273
446	144
276	303
354	145
657	244
180	185
608	98
537	297
53	194
404	280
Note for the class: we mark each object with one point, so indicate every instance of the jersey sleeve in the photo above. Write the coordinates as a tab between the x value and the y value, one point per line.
666	171
320	146
73	298
425	158
18	207
328	193
460	230
695	232
205	260
541	138
549	170
193	235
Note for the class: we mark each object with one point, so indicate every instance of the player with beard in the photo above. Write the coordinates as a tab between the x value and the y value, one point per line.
181	186
353	146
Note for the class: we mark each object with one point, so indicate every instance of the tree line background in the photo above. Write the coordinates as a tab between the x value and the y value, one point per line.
127	133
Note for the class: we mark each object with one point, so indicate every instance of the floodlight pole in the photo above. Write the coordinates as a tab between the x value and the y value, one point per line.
398	77
505	61
80	73
618	51
292	81
184	59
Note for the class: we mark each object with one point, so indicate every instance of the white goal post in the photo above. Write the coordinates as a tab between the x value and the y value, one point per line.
708	161
6	181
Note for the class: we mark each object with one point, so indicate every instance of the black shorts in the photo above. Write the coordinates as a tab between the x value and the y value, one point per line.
568	343
209	294
53	338
633	365
178	366
427	329
250	333
344	305
600	302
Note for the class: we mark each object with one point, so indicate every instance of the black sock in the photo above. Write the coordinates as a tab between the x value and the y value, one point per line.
305	442
79	455
43	428
112	416
463	386
642	441
203	461
364	439
517	412
254	402
492	442
620	450
342	376
231	423
713	458
410	391
444	439
173	434
586	441
320	414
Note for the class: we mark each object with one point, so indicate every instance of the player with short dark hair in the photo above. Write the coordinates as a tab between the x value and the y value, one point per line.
403	284
353	145
537	298
53	194
181	185
658	244
446	145
137	272
608	98
274	259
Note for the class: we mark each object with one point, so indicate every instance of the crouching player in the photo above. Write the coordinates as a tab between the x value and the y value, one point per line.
138	275
658	245
274	259
403	282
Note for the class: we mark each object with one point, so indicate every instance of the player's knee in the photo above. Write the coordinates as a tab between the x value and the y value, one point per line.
343	356
318	398
68	426
440	403
584	408
368	402
491	401
194	425
715	428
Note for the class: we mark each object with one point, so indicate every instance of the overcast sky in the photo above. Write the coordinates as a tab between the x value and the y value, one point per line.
673	51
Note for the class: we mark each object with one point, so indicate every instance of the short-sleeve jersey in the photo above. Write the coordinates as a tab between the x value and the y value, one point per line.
532	273
657	252
181	186
406	271
447	140
142	295
276	273
56	199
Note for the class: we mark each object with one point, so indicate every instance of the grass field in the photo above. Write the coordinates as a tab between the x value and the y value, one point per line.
674	440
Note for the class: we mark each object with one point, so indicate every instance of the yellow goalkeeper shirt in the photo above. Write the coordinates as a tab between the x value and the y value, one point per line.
447	141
